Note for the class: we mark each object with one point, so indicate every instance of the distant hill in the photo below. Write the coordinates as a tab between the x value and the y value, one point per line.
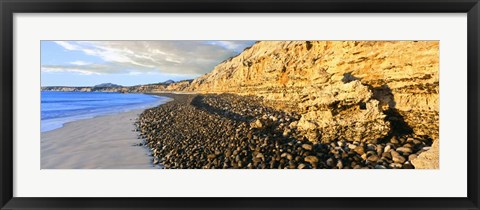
168	85
107	85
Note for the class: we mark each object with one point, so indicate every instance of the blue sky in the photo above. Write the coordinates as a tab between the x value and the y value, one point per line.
88	63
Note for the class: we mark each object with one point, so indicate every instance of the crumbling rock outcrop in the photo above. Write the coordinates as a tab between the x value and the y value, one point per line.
342	111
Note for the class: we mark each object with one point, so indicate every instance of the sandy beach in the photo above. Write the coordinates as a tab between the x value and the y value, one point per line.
104	142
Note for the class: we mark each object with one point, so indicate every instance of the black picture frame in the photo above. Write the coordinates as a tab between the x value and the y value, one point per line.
10	7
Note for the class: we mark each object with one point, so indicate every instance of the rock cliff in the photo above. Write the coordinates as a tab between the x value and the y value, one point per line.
349	90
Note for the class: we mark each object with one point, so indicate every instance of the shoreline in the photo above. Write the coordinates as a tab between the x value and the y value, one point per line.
102	142
57	123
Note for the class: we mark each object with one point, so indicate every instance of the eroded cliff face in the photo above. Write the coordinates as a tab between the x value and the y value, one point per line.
345	90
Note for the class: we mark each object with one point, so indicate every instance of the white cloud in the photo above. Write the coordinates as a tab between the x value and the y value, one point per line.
67	69
85	69
172	57
79	63
66	45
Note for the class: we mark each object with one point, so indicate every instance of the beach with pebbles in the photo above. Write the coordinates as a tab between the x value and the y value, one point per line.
228	131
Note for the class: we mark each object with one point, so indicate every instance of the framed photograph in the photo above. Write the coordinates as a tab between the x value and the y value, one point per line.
239	105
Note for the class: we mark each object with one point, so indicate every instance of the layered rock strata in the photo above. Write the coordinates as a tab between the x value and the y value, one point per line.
368	75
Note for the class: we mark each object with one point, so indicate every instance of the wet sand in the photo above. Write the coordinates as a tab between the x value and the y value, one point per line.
104	142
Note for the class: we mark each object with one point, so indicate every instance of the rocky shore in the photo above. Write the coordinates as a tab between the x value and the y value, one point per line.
232	131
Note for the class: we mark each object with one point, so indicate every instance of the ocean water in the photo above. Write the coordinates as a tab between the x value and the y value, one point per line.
58	108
